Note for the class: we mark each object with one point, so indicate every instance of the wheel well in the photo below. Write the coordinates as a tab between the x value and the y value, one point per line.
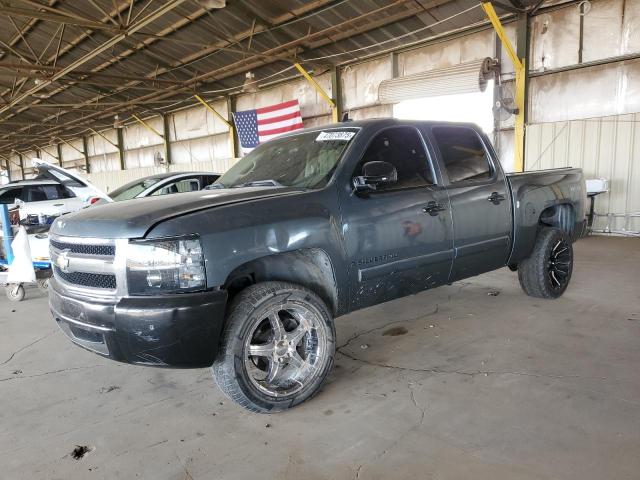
310	267
559	216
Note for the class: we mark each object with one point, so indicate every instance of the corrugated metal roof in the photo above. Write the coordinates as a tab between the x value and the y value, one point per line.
188	49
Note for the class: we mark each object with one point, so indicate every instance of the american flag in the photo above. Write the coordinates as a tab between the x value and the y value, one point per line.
262	124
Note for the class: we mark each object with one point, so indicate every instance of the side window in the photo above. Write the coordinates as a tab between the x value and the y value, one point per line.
181	186
64	192
403	148
41	193
463	154
9	196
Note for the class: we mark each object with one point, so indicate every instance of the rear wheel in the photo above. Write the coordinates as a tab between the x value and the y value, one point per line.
277	347
547	272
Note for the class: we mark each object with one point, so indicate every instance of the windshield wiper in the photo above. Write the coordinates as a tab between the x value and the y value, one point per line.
259	183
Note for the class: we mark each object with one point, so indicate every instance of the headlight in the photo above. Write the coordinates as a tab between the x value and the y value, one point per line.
165	266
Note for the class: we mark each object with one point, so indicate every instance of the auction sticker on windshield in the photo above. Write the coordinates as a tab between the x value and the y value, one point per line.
335	136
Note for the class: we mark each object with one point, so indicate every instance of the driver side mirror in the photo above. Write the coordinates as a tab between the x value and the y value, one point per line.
375	175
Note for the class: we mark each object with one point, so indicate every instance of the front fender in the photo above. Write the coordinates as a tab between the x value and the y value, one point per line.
237	234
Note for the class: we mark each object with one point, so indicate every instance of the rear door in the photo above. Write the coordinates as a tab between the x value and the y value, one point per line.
398	239
479	199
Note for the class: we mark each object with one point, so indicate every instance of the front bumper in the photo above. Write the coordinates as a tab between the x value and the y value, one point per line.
168	331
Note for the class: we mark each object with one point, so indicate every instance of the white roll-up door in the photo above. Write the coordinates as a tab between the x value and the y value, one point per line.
462	78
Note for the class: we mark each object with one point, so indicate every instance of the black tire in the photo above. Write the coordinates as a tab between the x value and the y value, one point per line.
547	272
249	327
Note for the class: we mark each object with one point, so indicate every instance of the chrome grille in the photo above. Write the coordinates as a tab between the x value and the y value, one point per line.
85	264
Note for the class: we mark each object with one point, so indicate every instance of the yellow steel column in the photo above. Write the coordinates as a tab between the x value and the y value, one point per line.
232	143
323	94
519	65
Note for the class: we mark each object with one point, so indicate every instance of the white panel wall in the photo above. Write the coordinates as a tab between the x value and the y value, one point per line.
103	153
446	54
589	92
360	83
605	147
49	154
311	102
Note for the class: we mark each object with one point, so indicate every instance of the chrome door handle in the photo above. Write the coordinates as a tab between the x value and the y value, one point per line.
433	208
496	198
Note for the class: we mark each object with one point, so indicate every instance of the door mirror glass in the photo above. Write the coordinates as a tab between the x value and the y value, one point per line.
375	175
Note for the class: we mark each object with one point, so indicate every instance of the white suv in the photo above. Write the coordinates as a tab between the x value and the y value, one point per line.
54	192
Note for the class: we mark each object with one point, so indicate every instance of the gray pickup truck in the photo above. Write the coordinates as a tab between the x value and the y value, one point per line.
248	275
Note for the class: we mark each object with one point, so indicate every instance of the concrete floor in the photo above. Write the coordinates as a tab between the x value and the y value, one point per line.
449	384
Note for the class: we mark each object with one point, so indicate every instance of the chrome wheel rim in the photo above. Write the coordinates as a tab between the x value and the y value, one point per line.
559	265
285	349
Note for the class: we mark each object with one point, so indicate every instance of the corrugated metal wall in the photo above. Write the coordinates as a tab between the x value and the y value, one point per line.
605	147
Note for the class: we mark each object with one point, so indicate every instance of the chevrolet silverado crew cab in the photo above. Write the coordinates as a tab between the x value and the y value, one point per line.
248	275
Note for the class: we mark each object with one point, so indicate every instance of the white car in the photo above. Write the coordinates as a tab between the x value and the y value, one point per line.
54	192
164	184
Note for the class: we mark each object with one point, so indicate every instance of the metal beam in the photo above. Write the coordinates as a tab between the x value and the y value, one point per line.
165	138
94	53
336	91
350	27
309	7
101	135
21	165
320	90
120	147
147	126
519	65
85	148
70	145
231	107
47	68
232	146
55	17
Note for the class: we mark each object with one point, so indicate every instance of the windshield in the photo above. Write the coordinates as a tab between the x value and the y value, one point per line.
133	189
306	160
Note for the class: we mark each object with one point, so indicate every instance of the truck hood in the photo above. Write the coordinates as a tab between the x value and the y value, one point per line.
134	218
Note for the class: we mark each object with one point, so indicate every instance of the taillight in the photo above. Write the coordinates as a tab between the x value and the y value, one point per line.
93	200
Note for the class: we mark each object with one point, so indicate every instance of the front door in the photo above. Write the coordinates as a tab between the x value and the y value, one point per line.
399	238
479	199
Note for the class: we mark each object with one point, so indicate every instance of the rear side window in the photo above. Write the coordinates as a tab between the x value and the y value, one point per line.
9	195
403	148
41	193
463	154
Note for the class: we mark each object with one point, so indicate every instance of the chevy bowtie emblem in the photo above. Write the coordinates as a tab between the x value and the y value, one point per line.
62	262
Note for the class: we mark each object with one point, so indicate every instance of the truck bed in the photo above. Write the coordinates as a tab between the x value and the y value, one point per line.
558	194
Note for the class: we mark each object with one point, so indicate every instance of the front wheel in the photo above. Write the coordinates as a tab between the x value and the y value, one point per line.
277	347
547	272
